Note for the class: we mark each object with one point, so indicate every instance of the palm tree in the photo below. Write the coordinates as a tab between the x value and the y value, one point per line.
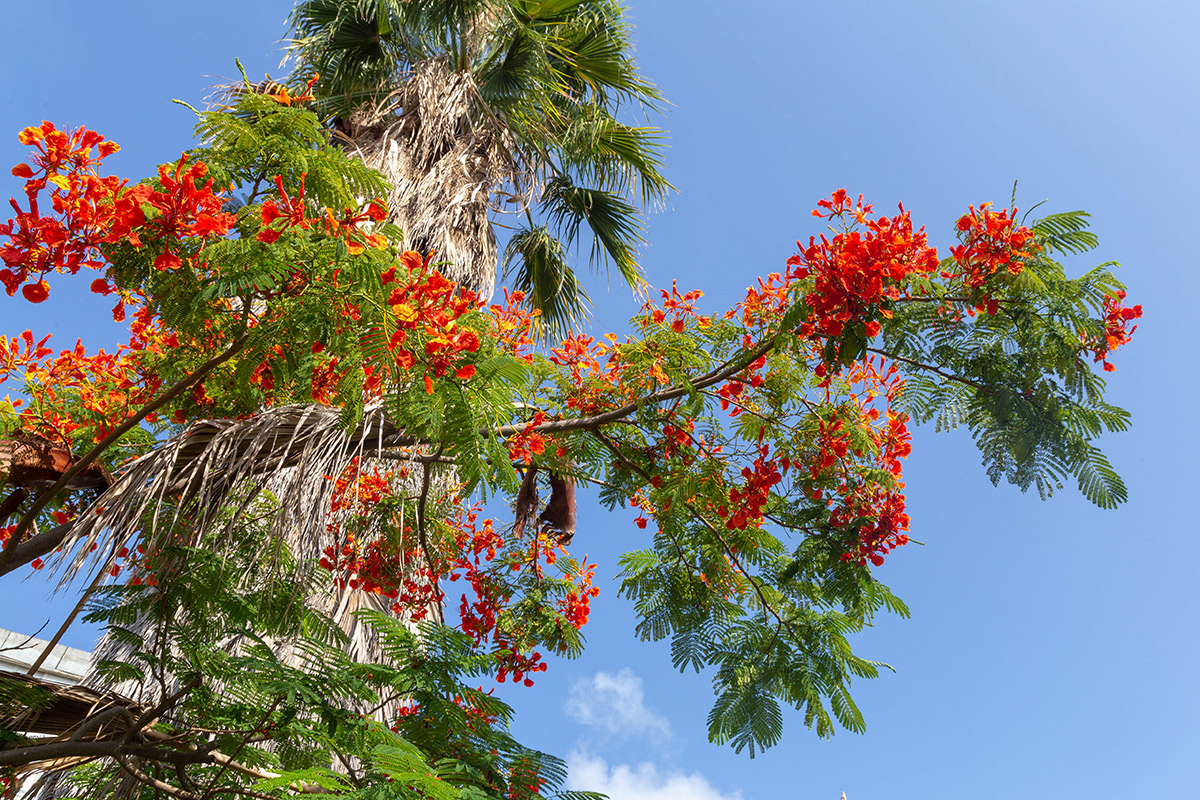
478	109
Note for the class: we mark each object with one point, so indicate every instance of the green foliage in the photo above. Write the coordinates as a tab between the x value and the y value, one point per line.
247	144
761	453
212	626
1020	382
537	263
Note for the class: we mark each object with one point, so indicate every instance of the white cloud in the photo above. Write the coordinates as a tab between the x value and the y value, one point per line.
616	704
643	782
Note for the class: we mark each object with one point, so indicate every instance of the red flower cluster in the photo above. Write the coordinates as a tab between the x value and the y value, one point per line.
286	98
181	209
90	210
832	444
766	303
429	306
991	241
675	311
376	569
477	554
749	501
87	209
856	273
883	529
369	562
870	514
14	358
74	390
579	354
1116	318
512	325
293	212
894	442
476	546
576	606
527	443
325	377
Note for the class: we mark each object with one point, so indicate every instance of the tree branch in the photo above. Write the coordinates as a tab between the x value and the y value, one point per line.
722	372
931	368
143	778
36	547
12	503
46	496
54	640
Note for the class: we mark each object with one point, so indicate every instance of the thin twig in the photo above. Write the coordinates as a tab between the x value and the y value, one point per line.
722	372
162	786
421	503
930	368
733	556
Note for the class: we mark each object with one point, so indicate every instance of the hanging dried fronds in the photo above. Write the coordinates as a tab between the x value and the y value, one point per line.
214	465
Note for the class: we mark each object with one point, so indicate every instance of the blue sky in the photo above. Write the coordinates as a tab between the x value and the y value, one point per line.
1052	645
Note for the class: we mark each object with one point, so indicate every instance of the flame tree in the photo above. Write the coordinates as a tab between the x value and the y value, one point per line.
280	482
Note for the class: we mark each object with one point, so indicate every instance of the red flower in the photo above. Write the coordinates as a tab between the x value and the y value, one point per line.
36	292
167	261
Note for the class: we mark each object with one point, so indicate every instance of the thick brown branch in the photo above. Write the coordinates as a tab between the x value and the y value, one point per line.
217	757
12	503
20	756
34	547
83	713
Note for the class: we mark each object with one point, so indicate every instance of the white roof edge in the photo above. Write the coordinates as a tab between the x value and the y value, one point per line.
18	652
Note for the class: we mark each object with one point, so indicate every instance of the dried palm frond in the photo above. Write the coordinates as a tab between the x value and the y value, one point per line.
45	718
289	451
39	707
27	459
279	466
196	488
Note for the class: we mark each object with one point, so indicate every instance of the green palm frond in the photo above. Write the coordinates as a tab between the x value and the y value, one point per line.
345	42
1067	232
539	269
615	224
621	157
